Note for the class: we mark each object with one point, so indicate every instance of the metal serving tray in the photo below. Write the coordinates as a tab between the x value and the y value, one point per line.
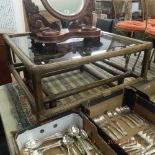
61	123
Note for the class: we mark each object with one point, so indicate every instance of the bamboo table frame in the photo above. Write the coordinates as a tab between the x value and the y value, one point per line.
37	72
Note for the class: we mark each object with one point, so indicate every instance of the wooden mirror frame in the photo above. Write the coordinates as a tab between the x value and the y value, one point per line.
44	32
64	17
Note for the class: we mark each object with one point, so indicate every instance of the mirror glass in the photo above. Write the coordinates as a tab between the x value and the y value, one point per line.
67	7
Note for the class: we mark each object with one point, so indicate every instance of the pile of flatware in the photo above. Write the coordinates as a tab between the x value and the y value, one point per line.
74	142
109	121
142	143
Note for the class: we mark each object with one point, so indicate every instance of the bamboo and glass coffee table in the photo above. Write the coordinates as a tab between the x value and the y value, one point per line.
64	76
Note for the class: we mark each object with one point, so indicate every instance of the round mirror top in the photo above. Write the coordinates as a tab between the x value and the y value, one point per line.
66	9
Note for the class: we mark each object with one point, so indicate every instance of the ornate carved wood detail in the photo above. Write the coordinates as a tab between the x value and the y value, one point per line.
35	20
50	36
49	33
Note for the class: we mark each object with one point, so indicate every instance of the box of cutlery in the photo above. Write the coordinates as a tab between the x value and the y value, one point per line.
70	133
125	121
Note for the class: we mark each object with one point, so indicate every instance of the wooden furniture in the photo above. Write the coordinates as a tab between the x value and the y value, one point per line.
54	51
80	21
49	33
73	55
124	8
5	76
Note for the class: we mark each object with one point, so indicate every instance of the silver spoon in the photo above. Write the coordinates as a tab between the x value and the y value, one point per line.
32	144
119	128
84	135
74	131
131	141
41	150
135	146
99	120
140	120
68	142
103	123
133	117
119	111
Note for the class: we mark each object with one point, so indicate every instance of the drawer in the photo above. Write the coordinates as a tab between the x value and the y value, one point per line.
124	119
62	124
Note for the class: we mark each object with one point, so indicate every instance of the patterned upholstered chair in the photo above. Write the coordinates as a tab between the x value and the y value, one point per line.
125	25
129	25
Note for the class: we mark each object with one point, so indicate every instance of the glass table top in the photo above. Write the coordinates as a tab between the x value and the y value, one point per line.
74	48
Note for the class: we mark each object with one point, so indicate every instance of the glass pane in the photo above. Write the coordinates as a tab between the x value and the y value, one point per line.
73	48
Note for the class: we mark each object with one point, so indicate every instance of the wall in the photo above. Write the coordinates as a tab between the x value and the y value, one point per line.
11	15
12	18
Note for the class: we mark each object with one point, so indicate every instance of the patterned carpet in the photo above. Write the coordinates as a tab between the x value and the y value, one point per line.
70	80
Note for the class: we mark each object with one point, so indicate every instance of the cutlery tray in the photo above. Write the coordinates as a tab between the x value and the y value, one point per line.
127	97
61	124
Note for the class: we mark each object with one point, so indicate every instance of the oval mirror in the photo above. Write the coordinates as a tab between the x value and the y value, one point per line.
66	9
